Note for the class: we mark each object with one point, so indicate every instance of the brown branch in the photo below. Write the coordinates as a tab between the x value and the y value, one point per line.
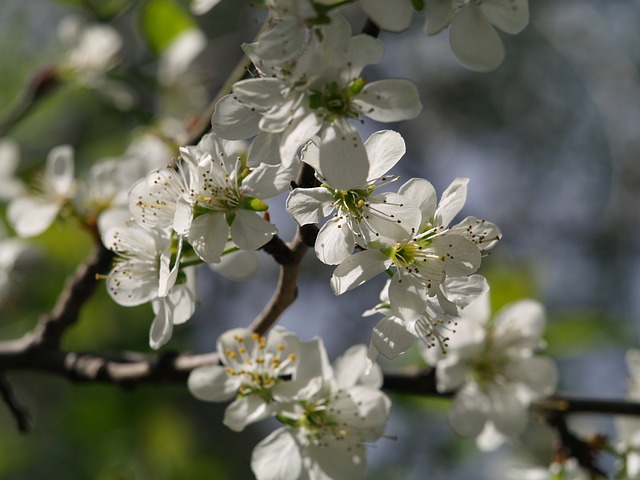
19	412
41	84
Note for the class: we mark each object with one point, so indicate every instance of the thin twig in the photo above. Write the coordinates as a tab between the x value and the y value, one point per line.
19	412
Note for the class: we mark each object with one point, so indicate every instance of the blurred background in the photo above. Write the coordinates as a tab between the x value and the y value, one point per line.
549	140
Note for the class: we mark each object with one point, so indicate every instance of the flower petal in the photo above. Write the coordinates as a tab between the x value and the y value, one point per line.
474	42
211	383
389	100
357	269
334	242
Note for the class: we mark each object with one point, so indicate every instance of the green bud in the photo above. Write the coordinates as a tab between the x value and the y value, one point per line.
254	204
356	86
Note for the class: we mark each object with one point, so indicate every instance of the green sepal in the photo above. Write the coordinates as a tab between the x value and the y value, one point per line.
230	217
253	204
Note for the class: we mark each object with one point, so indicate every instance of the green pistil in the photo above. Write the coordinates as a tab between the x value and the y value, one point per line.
487	368
351	202
335	102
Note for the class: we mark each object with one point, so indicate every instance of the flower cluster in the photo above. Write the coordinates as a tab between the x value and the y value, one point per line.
328	413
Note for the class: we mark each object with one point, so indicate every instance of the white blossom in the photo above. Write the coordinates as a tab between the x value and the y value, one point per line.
360	216
491	366
337	412
323	91
32	213
254	370
147	269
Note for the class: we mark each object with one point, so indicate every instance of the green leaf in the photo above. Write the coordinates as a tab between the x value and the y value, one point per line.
162	21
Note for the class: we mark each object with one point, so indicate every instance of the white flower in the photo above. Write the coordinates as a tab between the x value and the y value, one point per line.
491	366
474	41
425	258
323	91
93	49
227	198
327	428
32	214
347	190
146	270
254	369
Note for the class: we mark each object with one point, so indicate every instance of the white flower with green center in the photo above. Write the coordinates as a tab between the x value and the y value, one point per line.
359	217
318	97
153	200
421	262
492	367
227	199
254	370
327	427
32	213
474	40
147	269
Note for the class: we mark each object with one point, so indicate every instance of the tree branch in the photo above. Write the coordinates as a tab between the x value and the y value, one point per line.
20	414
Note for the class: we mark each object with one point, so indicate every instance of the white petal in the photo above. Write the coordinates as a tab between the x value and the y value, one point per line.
208	236
30	216
266	181
277	457
439	15
237	266
59	169
351	368
259	93
538	374
390	218
297	134
391	338
422	193
509	16
467	415
458	256
233	120
474	42
183	302
519	327
384	150
357	269
265	148
490	439
363	50
309	205
250	231
452	201
389	100
507	413
162	326
343	159
183	215
245	410
482	233
211	383
391	16
334	243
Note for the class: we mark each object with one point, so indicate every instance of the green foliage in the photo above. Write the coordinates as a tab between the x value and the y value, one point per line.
162	21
